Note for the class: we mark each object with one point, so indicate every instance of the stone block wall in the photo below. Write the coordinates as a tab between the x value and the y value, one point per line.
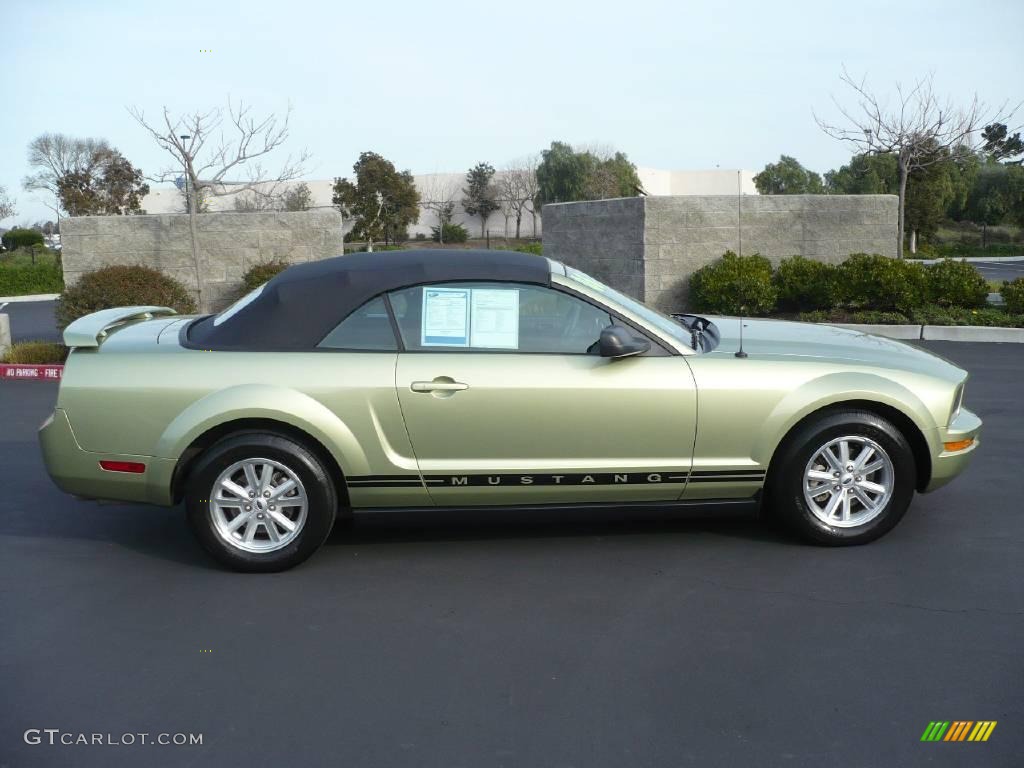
683	233
229	245
604	238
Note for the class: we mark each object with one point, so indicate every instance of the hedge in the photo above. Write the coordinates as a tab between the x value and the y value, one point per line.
261	273
1013	294
21	238
734	285
122	286
862	283
27	279
453	233
35	353
805	285
958	250
927	315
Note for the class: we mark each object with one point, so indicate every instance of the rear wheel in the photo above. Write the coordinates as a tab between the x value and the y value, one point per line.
845	478
260	502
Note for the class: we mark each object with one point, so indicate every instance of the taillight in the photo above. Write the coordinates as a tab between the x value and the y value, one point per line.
135	467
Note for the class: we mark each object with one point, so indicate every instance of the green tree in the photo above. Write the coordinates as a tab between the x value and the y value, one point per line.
383	202
1000	145
481	196
997	195
20	237
108	186
564	175
865	174
788	177
610	177
930	190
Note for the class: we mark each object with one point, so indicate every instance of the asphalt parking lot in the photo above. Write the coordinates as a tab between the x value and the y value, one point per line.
32	320
1000	270
419	641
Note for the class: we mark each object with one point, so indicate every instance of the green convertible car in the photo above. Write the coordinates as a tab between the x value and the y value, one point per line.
483	379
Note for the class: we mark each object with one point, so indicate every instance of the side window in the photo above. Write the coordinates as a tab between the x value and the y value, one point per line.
507	317
368	328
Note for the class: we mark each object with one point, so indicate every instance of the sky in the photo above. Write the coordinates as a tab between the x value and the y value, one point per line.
439	86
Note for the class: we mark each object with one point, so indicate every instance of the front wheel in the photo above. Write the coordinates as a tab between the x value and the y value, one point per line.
260	502
845	478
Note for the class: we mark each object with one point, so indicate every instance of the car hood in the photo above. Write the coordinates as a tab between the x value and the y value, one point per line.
827	343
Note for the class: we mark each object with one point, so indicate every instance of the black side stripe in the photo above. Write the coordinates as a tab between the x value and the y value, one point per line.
522	479
730	472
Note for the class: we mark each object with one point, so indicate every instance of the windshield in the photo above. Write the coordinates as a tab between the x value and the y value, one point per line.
663	323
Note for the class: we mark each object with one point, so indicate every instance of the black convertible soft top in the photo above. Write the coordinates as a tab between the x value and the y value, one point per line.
301	305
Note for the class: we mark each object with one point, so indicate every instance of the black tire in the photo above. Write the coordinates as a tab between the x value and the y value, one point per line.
321	507
786	482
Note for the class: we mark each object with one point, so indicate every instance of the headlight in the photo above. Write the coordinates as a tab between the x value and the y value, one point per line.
958	399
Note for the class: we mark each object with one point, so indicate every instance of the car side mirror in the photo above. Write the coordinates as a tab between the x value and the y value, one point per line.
617	342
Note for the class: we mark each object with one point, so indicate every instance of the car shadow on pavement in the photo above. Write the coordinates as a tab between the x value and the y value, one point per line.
158	532
497	525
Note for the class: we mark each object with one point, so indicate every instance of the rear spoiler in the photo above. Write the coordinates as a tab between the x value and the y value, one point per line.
89	331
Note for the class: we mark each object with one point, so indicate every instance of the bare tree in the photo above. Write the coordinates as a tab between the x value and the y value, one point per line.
250	202
6	204
516	188
920	130
209	159
529	167
54	157
439	194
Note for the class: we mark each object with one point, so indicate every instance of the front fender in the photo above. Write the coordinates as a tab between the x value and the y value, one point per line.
249	401
835	389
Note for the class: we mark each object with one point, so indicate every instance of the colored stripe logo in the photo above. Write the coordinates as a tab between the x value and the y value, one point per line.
958	730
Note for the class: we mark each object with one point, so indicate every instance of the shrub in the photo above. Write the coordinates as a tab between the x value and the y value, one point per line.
734	285
537	249
261	273
35	353
21	238
804	284
946	250
927	315
870	316
453	233
956	284
26	279
873	281
1013	295
987	316
925	251
121	286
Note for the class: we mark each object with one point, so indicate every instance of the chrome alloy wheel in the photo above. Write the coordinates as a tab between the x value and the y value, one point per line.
848	481
258	505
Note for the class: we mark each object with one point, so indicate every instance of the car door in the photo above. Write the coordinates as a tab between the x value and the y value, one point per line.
353	374
507	402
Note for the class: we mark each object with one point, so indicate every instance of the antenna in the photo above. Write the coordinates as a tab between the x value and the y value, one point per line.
741	353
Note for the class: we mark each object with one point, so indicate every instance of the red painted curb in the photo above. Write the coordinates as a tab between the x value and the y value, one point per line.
32	372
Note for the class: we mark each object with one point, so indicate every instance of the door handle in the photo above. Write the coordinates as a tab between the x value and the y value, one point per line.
440	384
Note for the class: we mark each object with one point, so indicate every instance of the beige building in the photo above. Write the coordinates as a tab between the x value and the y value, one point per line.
433	186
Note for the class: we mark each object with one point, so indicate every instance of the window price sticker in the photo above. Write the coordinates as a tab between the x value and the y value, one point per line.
445	317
